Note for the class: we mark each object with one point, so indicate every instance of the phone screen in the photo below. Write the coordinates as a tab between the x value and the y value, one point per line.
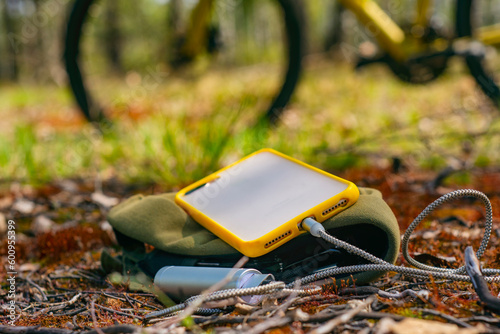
260	193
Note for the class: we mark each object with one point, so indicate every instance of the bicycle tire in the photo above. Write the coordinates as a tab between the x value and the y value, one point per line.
293	13
293	17
74	26
465	28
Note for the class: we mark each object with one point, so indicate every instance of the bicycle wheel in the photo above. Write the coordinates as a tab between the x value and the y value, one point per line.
482	59
427	32
81	58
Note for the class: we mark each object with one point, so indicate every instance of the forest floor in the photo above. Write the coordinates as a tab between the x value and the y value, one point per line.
60	178
59	283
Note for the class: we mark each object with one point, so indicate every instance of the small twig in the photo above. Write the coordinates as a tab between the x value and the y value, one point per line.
270	323
359	291
315	318
28	279
59	306
473	268
364	315
412	285
480	318
31	306
446	317
287	303
222	303
329	309
357	325
59	295
345	317
277	317
114	297
32	330
88	275
73	312
117	312
142	303
65	277
116	329
316	298
225	320
73	321
49	282
260	312
94	318
132	310
130	302
89	292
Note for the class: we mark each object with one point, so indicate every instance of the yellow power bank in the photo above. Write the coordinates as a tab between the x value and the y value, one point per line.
257	203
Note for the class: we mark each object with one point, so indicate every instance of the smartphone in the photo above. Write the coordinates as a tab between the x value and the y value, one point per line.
257	203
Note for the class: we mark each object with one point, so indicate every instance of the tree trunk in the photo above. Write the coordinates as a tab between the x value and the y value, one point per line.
38	57
11	72
112	36
334	33
175	17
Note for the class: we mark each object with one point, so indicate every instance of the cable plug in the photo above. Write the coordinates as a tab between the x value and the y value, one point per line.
312	226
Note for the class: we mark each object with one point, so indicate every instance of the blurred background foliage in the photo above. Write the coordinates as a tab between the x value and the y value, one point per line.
131	35
186	126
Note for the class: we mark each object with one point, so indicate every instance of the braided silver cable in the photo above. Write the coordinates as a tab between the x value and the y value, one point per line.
223	294
413	272
421	270
306	291
350	248
198	311
431	207
207	311
169	310
218	295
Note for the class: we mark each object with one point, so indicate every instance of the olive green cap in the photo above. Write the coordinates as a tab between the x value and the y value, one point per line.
158	221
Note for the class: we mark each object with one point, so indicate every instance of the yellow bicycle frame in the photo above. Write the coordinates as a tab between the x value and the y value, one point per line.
489	35
387	33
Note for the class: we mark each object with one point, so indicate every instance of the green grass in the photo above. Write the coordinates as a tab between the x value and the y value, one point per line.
188	127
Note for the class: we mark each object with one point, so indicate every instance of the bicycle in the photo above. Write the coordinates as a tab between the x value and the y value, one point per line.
419	52
201	36
416	53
